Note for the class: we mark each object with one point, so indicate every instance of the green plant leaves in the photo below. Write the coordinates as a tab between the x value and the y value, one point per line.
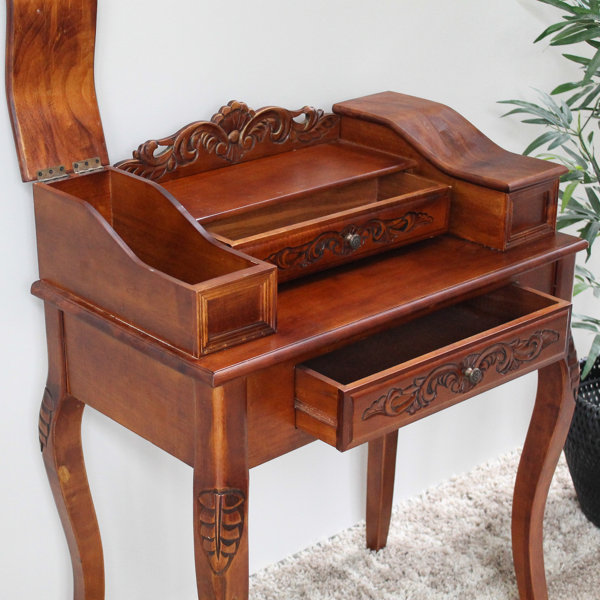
570	115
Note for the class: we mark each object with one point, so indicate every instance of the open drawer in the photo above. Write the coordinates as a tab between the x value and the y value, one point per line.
325	228
371	387
322	229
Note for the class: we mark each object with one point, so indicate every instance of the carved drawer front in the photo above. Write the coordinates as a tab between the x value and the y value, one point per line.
366	389
326	228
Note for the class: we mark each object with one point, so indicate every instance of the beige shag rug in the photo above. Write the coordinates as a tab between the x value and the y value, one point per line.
452	542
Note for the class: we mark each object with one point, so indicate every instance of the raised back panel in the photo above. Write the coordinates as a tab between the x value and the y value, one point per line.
237	133
50	83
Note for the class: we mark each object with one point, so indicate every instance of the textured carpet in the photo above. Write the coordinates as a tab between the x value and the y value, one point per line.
453	541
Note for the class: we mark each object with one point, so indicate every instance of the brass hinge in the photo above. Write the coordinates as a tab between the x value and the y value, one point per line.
60	172
52	173
89	164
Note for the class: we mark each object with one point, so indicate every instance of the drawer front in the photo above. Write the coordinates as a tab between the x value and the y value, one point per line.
348	414
452	378
336	239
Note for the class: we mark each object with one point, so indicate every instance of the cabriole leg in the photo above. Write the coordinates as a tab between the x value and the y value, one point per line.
221	492
381	470
548	430
60	440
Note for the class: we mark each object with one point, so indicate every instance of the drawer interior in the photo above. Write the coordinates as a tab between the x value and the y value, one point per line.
152	227
338	200
426	334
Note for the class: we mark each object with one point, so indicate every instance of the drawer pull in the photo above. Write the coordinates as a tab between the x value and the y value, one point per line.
473	374
353	240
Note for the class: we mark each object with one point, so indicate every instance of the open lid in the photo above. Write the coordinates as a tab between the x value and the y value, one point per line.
50	84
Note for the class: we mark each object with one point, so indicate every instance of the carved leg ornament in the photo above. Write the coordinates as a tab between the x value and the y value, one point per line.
221	493
60	440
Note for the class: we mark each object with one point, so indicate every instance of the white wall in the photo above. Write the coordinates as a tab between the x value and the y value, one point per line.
159	66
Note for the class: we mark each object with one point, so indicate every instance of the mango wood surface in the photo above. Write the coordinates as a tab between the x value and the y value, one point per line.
315	316
381	472
378	384
50	84
545	439
122	242
137	294
60	440
480	213
221	492
279	178
449	141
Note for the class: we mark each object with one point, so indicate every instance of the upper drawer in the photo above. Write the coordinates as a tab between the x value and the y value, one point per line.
366	389
332	226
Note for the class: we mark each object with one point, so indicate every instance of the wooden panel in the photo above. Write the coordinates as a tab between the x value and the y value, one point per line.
50	83
533	211
478	213
450	142
157	402
153	400
279	178
164	279
272	429
78	251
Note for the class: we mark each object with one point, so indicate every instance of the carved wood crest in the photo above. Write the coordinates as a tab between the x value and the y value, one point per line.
504	356
230	134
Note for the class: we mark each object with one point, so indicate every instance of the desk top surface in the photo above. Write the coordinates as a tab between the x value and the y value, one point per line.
359	298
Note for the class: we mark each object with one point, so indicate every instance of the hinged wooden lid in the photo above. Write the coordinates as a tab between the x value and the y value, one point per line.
50	84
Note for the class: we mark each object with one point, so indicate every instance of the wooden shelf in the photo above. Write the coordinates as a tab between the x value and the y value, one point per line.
244	186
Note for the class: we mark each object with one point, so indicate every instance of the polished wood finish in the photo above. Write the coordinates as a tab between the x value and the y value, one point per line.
50	84
236	133
191	340
549	426
381	471
376	385
102	218
60	440
221	491
500	199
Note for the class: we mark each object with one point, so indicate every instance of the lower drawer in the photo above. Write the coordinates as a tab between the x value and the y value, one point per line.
366	389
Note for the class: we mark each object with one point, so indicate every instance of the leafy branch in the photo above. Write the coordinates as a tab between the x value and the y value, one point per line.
570	116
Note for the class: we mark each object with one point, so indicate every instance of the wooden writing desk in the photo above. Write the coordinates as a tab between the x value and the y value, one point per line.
362	270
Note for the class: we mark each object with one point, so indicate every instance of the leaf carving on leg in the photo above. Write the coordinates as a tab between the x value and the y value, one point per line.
221	526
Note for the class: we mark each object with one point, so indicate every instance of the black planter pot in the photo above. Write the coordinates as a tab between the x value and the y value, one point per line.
582	447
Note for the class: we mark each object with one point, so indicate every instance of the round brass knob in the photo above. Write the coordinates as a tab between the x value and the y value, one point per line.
473	374
354	241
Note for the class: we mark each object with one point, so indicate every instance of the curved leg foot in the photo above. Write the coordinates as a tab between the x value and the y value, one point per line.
60	440
381	470
548	430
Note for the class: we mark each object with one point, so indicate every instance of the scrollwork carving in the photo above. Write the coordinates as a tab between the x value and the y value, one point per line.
348	240
504	356
230	134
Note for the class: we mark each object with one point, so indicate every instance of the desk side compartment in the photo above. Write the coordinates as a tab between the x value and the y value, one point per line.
362	391
122	244
499	199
